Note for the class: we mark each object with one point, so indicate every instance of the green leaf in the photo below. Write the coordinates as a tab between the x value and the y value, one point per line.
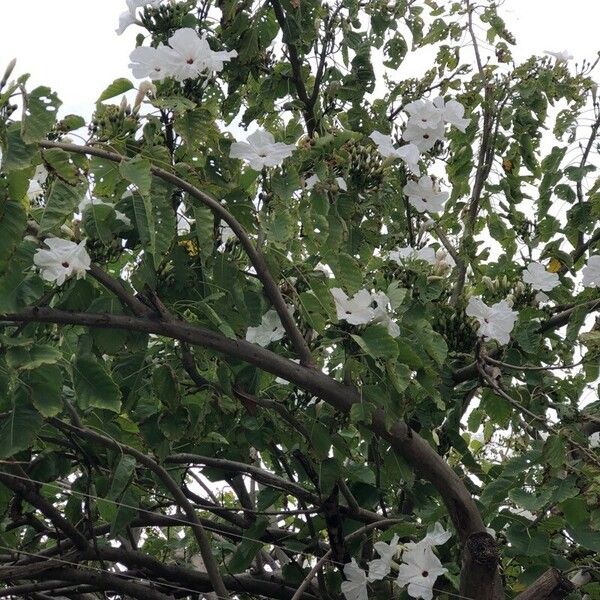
554	451
60	162
249	546
155	219
19	427
93	385
44	386
137	171
13	220
121	476
41	106
329	472
18	155
118	86
377	342
348	274
61	203
23	358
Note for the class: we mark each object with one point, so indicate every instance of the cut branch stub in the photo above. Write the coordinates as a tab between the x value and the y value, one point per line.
551	585
479	578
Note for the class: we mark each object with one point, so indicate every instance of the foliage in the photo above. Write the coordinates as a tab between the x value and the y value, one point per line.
139	427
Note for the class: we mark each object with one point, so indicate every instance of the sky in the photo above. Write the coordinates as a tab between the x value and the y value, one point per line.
71	45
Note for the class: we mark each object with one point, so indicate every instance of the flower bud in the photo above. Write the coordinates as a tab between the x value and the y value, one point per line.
146	89
8	72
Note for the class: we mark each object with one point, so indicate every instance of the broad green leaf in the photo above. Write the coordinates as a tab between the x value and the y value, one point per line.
118	86
377	342
26	358
137	171
19	426
94	387
60	162
13	220
41	106
44	385
155	219
121	476
60	205
348	273
18	154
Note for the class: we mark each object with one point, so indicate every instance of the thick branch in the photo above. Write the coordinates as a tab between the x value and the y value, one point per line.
551	585
416	451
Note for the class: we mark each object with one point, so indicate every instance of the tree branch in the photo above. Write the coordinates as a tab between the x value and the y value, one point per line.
199	533
256	258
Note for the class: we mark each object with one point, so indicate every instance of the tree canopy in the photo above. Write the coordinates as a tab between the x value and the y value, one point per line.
292	317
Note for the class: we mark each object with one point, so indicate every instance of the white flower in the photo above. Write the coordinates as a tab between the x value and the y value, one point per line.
561	57
407	253
423	139
409	153
540	279
419	571
382	315
495	322
147	61
356	310
436	536
189	55
424	195
128	17
311	181
355	586
384	144
381	567
580	578
591	272
35	185
91	201
269	330
341	184
452	113
261	150
594	440
424	114
63	260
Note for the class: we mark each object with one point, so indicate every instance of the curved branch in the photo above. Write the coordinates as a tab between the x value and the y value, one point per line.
199	532
256	258
411	446
27	492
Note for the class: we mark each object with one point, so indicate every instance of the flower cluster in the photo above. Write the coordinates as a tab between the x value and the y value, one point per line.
261	150
425	196
63	260
427	121
364	308
418	568
495	322
187	56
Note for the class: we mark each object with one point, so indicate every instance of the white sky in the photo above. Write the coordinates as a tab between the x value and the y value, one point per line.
71	46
